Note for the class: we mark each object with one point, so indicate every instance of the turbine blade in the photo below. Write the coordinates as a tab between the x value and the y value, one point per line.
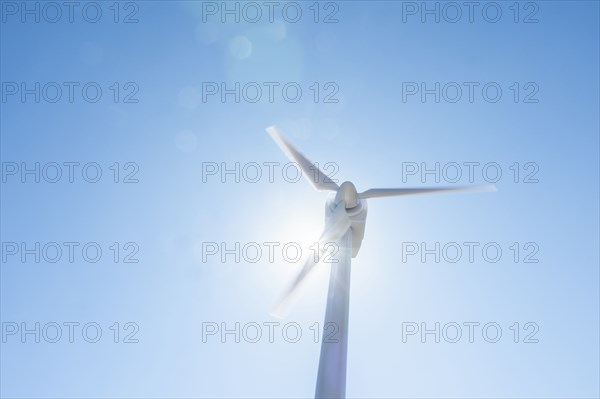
391	192
289	296
337	226
315	177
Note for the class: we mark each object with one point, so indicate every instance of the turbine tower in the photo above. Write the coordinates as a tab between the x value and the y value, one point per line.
345	217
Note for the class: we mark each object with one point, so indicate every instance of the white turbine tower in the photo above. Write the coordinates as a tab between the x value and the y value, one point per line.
345	217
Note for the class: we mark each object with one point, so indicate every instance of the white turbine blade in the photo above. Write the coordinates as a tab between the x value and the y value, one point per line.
392	192
315	177
338	225
281	308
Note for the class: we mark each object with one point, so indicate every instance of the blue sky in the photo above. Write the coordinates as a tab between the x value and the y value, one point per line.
370	134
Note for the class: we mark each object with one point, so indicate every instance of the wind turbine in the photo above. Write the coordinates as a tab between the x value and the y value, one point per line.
345	218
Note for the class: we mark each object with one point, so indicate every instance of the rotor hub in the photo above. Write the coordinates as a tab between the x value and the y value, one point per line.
347	194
